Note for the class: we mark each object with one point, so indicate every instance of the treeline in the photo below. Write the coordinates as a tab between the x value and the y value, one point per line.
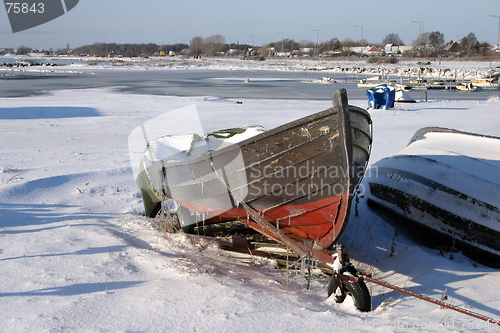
113	49
428	44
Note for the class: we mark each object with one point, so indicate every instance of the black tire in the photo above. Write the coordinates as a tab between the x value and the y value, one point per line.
360	295
332	287
357	290
186	220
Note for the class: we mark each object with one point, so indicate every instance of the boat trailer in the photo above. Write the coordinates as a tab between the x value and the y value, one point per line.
238	246
339	262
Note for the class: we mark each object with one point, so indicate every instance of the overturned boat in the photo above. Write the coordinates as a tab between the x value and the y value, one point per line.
294	183
447	182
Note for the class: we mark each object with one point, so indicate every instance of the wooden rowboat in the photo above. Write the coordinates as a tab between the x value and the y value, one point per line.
294	183
300	176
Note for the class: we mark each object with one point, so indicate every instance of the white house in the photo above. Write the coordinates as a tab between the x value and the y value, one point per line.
396	49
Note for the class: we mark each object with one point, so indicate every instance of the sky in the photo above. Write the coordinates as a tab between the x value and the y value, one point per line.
258	21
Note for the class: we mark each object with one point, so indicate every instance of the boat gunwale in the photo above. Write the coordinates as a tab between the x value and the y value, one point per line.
238	145
419	135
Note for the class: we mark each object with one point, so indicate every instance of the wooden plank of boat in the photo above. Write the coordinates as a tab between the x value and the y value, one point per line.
446	181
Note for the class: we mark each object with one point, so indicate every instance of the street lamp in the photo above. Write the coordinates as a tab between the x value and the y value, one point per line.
317	36
358	26
229	38
498	27
253	39
420	23
282	48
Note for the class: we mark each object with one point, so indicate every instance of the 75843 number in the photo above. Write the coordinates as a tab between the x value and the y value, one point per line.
24	8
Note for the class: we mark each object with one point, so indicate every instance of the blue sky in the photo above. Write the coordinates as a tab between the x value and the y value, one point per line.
167	22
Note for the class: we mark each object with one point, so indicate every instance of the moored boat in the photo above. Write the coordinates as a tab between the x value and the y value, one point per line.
327	80
447	182
466	86
372	83
491	83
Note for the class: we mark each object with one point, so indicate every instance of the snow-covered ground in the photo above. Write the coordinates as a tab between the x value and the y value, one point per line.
76	255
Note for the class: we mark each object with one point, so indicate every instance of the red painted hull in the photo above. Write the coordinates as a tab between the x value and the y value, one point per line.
322	221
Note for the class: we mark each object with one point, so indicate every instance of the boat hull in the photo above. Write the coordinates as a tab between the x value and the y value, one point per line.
448	182
300	177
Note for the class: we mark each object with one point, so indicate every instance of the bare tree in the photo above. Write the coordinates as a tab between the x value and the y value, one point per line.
469	42
393	39
348	42
422	40
23	50
307	43
333	44
196	45
264	50
436	39
214	44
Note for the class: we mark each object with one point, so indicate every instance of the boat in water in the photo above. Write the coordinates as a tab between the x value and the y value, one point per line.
445	183
293	184
371	83
466	86
486	83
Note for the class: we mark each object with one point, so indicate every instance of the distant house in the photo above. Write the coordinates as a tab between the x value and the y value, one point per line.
453	48
396	49
372	50
390	49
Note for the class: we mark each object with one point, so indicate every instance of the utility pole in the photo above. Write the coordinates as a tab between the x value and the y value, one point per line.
282	47
253	39
498	27
229	38
420	23
359	26
317	36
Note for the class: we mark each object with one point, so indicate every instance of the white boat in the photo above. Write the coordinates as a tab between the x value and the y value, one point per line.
371	84
401	96
445	183
463	86
326	80
403	87
486	83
